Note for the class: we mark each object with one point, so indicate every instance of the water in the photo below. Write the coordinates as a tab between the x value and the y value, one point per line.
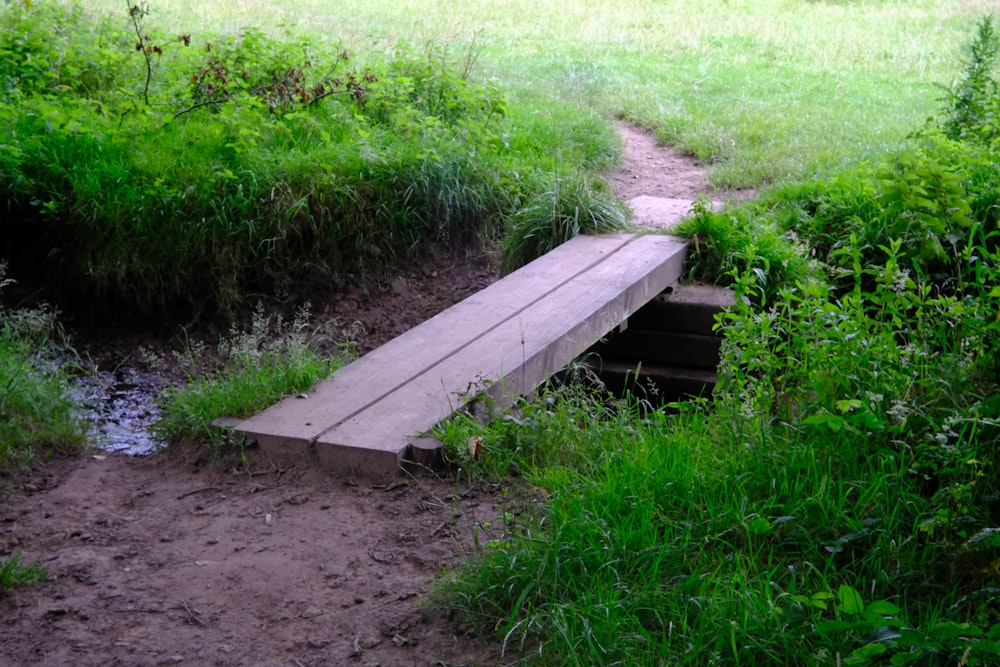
121	405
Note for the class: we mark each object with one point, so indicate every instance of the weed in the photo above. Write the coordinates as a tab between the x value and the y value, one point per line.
13	574
971	104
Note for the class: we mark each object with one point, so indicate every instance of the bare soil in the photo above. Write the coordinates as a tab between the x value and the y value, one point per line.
170	560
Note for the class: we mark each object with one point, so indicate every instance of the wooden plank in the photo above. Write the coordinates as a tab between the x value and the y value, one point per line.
387	368
512	358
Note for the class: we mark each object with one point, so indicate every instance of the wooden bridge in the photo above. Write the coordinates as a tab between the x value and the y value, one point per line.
499	343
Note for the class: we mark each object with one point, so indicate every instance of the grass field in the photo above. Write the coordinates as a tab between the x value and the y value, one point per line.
761	90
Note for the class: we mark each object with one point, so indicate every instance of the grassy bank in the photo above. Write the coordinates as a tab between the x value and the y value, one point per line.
149	175
265	147
37	416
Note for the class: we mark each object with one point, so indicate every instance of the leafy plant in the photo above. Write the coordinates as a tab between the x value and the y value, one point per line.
885	637
972	103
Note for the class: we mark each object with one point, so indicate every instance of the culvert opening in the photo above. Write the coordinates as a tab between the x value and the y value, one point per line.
667	351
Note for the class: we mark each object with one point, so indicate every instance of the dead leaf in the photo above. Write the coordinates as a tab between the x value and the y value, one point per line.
476	447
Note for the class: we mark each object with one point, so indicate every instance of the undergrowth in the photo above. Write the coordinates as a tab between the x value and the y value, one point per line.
148	174
836	501
37	414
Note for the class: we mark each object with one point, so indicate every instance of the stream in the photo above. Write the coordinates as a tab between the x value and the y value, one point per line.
121	406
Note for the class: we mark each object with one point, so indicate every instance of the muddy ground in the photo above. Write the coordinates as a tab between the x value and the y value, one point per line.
168	560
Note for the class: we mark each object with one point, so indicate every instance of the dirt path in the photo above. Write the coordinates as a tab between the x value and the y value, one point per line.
163	560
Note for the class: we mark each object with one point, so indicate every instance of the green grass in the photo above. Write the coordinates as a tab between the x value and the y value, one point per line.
254	368
471	122
216	173
13	574
762	91
37	414
839	459
835	502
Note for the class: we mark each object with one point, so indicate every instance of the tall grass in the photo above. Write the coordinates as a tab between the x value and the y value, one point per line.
248	163
251	369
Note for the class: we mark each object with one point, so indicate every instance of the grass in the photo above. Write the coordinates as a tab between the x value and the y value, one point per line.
250	164
253	369
835	501
13	574
37	415
839	471
761	91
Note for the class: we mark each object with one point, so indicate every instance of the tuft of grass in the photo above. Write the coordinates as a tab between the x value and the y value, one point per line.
255	368
554	216
37	414
14	575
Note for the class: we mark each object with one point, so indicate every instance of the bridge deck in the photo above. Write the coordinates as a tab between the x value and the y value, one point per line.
500	342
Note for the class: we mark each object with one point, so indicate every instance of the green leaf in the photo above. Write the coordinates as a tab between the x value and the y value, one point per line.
869	651
833	627
987	538
987	647
882	608
850	600
946	630
833	422
848	405
758	526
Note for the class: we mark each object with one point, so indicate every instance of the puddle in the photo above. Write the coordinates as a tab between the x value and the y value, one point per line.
121	407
